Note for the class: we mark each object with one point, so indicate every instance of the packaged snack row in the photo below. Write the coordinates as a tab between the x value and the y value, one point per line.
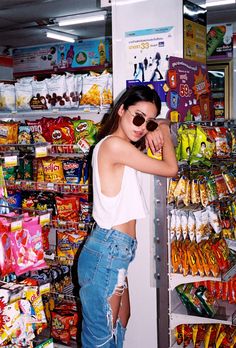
49	170
22	314
198	301
225	291
21	244
207	336
202	187
199	144
59	91
65	320
207	258
65	208
202	224
62	130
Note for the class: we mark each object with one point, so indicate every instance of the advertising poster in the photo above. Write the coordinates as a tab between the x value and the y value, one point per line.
220	41
194	32
34	58
188	97
85	53
147	53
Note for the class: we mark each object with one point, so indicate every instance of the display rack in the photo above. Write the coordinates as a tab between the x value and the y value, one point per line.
172	311
11	154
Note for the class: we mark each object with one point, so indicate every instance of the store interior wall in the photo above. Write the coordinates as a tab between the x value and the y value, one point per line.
142	328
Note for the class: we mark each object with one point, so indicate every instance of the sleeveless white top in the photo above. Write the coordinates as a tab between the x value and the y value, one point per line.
128	204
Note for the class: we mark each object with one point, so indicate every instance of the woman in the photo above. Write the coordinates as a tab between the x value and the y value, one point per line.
118	202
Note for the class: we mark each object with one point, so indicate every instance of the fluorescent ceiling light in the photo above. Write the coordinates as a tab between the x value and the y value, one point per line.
60	36
83	18
211	3
127	2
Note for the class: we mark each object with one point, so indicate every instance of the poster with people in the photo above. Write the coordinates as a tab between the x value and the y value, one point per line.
147	53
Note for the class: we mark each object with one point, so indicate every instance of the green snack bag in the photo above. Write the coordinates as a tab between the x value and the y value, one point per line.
203	148
85	130
208	301
211	189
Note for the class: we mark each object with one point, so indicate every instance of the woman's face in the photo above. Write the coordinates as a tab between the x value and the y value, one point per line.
127	129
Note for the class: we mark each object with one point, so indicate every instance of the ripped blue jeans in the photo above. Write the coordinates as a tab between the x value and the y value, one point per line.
102	271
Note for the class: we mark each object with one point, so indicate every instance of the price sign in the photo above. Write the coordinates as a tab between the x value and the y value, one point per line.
10	161
41	151
44	219
16	225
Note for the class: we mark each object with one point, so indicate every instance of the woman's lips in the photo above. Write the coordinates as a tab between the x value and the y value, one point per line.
138	134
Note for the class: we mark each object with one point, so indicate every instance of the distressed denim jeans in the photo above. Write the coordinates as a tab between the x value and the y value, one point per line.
102	270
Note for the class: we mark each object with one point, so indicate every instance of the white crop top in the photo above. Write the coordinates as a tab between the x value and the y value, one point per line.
128	204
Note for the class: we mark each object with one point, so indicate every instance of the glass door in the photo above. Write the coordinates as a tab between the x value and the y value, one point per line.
220	80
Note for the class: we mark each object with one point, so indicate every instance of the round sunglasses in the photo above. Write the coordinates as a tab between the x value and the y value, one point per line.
139	119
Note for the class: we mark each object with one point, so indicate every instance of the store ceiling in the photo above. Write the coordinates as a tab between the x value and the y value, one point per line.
24	22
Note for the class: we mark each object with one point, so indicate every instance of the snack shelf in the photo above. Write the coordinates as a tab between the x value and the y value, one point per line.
27	185
71	225
88	112
176	279
175	345
40	150
226	316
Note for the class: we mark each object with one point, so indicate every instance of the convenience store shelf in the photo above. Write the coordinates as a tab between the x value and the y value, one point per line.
225	315
176	279
86	113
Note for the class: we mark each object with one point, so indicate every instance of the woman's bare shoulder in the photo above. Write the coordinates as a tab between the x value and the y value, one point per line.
115	142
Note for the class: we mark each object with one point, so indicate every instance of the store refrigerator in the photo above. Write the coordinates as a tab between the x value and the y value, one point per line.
220	76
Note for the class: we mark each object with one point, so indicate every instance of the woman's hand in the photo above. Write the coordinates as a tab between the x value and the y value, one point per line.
154	140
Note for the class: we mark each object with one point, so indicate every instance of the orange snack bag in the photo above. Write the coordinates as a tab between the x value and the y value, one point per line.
203	258
192	258
175	256
221	251
184	257
53	170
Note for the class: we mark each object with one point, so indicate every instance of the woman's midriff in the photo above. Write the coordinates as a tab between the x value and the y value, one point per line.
128	228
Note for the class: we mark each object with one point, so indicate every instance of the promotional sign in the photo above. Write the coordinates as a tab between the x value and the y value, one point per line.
194	32
188	97
147	53
220	41
34	58
85	53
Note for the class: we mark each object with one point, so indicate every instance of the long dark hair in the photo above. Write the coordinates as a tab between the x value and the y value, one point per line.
131	96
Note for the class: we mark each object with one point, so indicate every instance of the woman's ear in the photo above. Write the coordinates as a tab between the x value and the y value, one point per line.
121	110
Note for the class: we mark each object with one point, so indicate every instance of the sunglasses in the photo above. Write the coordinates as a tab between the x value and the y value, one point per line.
139	119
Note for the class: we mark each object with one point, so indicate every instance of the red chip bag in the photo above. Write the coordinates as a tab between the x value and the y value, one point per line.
36	128
67	208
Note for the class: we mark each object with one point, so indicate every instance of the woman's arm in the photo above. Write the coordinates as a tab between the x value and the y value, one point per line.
115	150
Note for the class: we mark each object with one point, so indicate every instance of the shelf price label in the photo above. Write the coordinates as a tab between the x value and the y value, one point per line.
16	225
41	151
10	161
44	219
